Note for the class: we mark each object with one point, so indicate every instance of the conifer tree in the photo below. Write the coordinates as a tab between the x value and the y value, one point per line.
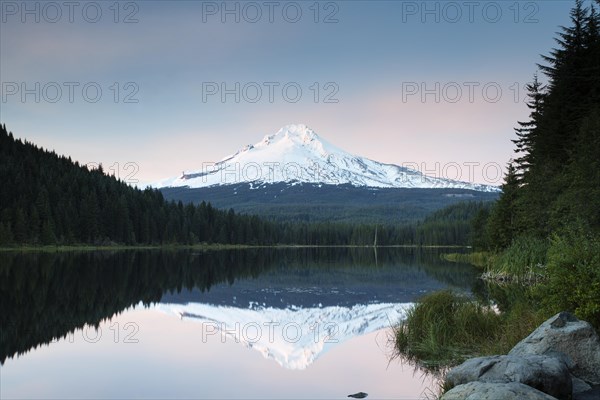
526	131
503	221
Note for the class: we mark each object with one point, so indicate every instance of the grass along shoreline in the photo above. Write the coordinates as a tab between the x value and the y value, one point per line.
526	284
445	328
477	259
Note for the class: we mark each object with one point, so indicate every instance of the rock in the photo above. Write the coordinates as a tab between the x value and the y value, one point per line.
470	370
495	391
576	340
590	394
359	395
559	360
545	373
579	385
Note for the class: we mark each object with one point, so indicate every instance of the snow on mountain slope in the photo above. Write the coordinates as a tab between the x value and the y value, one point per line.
297	154
293	337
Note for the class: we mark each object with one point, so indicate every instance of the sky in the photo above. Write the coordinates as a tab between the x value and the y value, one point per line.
153	88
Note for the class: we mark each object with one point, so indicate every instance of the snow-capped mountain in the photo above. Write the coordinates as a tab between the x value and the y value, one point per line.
296	154
294	337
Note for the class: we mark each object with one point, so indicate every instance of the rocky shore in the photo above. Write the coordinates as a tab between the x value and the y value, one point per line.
560	360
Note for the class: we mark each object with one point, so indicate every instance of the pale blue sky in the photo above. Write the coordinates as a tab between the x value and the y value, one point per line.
370	57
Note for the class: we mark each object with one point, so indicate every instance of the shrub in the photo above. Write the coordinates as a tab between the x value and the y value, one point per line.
573	275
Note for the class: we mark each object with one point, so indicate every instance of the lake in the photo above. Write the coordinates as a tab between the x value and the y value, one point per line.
306	323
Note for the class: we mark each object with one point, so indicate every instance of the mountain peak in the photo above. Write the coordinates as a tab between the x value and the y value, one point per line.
297	133
296	154
300	130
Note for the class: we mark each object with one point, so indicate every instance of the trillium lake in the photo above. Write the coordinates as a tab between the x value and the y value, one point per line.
304	323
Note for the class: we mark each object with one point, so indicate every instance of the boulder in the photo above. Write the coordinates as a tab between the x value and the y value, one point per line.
590	394
579	385
495	391
566	336
545	373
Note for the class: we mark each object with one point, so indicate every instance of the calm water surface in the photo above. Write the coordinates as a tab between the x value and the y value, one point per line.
295	323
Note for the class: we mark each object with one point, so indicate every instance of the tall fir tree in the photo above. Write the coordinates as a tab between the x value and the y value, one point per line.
527	130
503	224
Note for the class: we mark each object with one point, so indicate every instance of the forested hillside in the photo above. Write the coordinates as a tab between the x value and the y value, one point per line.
554	181
315	203
547	220
49	199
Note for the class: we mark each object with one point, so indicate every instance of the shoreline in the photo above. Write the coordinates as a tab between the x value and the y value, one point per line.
206	247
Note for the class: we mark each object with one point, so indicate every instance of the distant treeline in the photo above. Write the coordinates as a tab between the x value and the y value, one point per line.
313	203
49	199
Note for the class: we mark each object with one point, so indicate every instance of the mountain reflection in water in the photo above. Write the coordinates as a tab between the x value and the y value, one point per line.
46	296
